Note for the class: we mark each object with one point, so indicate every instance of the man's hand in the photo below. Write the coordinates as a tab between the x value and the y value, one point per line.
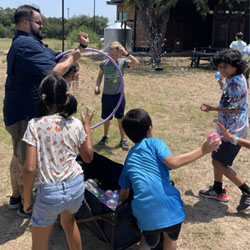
83	38
76	54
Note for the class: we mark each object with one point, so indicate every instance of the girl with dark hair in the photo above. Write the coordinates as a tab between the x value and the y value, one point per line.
233	115
53	140
72	76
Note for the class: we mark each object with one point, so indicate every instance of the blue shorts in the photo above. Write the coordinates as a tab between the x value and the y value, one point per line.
226	153
53	199
109	102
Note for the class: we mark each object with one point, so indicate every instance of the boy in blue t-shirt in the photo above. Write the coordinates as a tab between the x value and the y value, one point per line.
156	204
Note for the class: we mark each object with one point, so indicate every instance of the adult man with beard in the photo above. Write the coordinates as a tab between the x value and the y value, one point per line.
29	60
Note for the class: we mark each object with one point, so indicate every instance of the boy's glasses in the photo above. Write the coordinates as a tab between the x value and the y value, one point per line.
38	22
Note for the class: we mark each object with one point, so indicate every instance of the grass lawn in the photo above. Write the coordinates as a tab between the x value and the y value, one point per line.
172	97
52	43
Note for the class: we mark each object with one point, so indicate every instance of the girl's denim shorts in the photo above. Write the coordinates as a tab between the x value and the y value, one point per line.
53	199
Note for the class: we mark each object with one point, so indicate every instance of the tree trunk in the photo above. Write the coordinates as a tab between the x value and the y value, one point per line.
155	24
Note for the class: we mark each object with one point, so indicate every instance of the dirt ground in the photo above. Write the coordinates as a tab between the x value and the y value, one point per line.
172	97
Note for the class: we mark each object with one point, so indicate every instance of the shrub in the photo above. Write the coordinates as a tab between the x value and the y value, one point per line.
93	37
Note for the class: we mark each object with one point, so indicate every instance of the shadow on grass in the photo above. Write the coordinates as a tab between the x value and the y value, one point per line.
15	225
107	150
176	66
205	210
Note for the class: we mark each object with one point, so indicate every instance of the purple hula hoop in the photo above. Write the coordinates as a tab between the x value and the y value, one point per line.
121	76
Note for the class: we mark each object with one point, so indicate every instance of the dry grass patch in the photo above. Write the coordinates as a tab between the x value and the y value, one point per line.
172	97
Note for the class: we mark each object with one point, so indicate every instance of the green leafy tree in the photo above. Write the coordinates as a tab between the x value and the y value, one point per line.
7	22
100	24
72	36
53	26
77	21
155	15
6	16
3	31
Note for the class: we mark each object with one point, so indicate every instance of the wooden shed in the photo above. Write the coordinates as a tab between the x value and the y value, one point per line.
186	28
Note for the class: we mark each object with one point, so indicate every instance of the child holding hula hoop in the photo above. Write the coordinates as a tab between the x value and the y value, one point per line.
53	140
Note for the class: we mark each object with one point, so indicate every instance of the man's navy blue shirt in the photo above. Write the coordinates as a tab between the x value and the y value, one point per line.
28	62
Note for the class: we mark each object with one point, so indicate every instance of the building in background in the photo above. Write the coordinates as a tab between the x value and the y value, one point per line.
186	28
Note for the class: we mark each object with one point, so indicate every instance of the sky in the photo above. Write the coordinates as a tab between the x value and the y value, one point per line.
53	8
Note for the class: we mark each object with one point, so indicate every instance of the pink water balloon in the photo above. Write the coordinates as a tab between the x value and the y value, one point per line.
108	192
111	203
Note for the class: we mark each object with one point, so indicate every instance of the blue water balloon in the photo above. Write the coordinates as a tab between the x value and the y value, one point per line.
217	75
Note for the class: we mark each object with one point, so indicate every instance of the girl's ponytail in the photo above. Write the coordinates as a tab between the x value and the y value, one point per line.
69	108
54	96
42	109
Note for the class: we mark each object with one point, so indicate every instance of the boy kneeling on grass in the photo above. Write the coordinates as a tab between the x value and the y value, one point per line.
156	204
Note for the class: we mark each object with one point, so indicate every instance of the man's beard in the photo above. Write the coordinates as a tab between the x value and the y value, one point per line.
36	33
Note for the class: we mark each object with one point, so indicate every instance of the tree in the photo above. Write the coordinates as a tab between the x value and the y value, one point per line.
53	26
3	31
72	36
77	21
6	22
155	15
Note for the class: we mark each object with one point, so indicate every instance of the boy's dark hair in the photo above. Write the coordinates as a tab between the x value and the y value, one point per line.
25	11
239	35
232	57
53	92
136	124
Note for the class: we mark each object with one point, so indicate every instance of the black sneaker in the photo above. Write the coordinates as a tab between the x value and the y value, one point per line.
124	145
244	203
14	202
22	214
103	141
212	194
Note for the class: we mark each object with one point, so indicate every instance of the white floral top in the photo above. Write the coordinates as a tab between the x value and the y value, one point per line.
56	140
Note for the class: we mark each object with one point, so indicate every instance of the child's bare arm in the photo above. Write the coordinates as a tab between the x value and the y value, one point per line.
133	62
28	177
86	150
177	161
63	66
99	81
232	138
124	193
206	107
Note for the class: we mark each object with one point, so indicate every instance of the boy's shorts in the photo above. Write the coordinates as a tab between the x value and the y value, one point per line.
53	199
109	102
152	238
226	153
